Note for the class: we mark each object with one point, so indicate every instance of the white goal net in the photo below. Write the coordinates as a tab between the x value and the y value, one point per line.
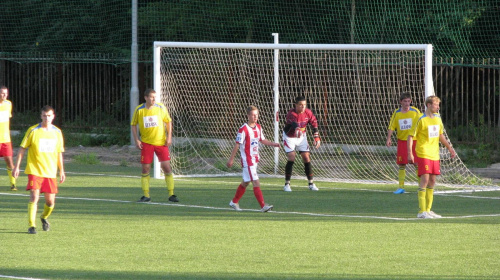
352	90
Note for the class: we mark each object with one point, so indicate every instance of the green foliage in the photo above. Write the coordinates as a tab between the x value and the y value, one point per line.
460	28
457	178
124	163
90	158
478	155
113	137
479	145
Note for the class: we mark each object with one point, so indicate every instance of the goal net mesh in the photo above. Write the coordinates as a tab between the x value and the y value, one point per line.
352	93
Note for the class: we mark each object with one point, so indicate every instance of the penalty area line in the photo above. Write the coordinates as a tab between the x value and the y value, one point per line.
256	210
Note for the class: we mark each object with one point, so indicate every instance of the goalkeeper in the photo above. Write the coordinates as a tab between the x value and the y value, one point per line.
155	128
294	138
428	132
402	121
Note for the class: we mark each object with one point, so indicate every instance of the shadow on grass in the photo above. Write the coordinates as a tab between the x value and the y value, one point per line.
85	274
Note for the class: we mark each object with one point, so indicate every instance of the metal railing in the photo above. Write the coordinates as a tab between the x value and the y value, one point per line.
94	96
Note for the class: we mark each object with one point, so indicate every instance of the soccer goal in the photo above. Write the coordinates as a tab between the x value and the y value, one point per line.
352	89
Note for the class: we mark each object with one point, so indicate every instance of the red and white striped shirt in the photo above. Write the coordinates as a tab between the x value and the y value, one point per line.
249	138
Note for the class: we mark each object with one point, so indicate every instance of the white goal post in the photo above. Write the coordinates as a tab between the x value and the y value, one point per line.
352	89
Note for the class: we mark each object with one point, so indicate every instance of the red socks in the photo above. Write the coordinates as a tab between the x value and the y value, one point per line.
240	191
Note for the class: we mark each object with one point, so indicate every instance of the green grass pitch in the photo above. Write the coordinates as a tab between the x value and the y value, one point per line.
344	231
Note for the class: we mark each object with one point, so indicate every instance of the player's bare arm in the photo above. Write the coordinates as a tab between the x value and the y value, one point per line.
233	154
409	145
269	143
389	135
20	155
169	134
445	142
60	165
138	143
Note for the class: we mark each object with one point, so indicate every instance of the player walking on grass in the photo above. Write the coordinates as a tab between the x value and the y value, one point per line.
428	132
5	142
402	121
45	145
247	141
294	138
155	128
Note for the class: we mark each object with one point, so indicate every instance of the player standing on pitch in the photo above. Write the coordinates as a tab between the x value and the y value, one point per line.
294	138
155	128
45	145
428	132
247	141
5	142
402	121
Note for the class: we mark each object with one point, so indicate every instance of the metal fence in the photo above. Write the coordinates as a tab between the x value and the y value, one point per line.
94	96
470	99
91	97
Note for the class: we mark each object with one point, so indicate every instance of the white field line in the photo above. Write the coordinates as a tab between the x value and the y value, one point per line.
16	277
255	210
264	184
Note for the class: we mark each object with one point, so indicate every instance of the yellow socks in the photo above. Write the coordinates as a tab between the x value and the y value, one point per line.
32	207
422	200
46	211
169	179
401	176
418	177
12	179
429	198
145	184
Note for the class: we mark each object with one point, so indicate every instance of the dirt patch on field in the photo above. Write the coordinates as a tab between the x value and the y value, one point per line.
114	155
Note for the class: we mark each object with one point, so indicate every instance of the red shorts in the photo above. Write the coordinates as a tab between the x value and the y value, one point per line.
148	151
6	149
402	156
45	185
428	166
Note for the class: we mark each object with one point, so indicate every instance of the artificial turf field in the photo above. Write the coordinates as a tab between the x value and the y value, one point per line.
344	231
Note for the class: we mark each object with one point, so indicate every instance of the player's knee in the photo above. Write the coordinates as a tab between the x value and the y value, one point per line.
146	169
432	181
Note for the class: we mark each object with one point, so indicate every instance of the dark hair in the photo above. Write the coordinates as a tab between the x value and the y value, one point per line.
47	108
404	95
3	87
299	98
148	91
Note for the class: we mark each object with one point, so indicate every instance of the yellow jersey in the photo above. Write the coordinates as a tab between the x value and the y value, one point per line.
426	133
152	123
403	123
5	115
44	146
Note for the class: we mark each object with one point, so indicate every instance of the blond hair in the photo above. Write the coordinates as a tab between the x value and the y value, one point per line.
251	108
431	99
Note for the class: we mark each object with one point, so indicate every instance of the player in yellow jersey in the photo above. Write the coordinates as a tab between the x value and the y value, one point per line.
155	129
402	121
428	133
45	145
5	142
